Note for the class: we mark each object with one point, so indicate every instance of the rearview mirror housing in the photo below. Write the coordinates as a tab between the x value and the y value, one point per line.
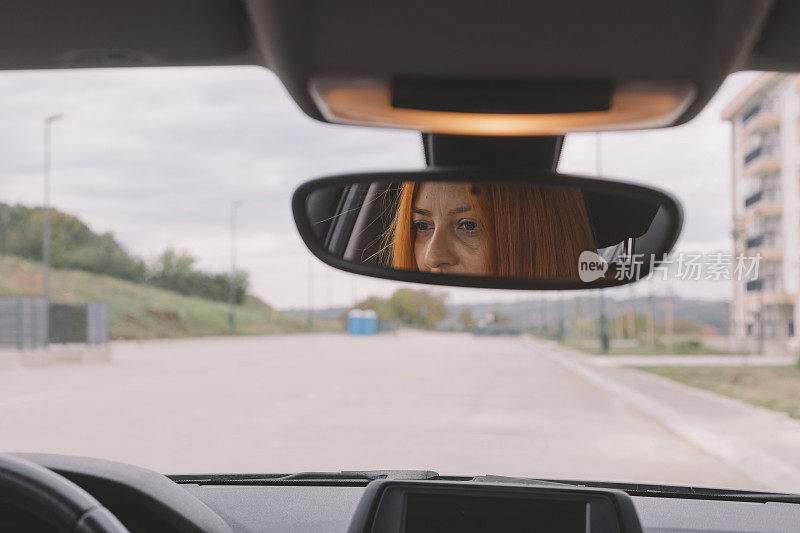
488	227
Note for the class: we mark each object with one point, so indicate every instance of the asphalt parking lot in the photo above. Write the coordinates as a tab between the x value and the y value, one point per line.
453	403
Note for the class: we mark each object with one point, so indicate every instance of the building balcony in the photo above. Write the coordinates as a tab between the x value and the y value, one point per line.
769	196
753	198
763	119
755	242
770	253
757	297
767	244
759	151
762	160
765	209
750	113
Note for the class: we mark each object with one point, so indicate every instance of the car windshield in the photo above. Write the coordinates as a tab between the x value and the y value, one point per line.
158	307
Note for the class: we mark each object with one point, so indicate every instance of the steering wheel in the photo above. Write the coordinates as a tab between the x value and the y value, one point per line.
54	499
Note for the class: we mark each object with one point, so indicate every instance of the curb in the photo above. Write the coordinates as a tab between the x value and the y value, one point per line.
773	473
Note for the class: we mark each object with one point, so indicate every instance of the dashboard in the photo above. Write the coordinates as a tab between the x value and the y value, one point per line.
352	502
332	508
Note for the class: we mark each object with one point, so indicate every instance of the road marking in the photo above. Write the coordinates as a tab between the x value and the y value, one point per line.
34	397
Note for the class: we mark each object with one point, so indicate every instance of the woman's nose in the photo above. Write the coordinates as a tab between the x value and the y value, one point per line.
439	254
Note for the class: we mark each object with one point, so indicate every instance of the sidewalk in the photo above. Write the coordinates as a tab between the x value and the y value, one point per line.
762	444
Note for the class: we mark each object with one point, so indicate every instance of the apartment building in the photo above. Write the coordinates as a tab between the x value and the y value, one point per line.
765	119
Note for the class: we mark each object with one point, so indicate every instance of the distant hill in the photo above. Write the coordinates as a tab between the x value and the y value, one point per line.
144	312
75	246
533	310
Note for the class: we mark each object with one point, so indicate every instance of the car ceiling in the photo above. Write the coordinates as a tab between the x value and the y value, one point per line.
700	41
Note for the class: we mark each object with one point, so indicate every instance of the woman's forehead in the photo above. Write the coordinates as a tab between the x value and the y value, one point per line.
441	194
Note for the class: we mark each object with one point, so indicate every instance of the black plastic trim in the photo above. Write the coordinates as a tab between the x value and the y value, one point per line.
530	153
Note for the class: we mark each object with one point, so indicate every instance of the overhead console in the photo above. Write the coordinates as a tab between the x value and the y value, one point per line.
530	68
444	507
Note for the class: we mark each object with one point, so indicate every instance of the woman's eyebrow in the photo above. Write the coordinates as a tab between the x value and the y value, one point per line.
457	210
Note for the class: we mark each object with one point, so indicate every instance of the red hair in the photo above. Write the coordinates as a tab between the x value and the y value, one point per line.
533	232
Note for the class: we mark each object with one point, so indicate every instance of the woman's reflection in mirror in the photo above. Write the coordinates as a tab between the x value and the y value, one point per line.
517	231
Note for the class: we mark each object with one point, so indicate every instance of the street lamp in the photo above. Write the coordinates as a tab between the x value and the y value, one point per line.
602	322
48	122
232	288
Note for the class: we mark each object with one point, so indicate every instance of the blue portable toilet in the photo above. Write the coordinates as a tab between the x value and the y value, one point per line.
362	322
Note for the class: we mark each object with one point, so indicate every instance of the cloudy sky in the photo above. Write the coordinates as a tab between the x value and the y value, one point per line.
156	156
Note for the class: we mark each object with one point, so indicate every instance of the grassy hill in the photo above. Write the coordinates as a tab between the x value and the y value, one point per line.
145	312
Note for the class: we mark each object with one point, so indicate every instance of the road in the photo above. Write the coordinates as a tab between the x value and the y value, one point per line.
453	403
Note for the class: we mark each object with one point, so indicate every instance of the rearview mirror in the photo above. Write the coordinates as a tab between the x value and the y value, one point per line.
488	227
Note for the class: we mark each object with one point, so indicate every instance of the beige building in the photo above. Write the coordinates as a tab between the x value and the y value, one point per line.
765	119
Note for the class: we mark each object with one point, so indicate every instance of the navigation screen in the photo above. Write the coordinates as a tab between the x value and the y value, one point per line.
442	513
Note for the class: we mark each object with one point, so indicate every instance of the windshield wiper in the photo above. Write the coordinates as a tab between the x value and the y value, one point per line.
662	491
363	477
346	477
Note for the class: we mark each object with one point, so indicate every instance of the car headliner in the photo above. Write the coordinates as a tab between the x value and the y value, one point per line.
676	40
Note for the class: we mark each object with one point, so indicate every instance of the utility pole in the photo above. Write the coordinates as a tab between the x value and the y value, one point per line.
602	325
632	314
232	284
619	322
546	327
560	330
669	319
310	316
48	122
651	320
761	319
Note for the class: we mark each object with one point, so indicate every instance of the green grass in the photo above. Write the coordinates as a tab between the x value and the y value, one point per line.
143	312
773	387
659	348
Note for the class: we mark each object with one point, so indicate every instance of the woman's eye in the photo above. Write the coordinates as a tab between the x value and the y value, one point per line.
468	225
421	225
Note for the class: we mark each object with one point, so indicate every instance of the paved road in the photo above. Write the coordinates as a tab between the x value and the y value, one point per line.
447	402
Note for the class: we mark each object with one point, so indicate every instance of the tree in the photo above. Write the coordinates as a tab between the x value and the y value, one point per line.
72	243
500	318
418	308
377	304
467	319
409	307
175	271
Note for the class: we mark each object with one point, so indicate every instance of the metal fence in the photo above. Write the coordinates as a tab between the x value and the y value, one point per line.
31	323
23	322
97	323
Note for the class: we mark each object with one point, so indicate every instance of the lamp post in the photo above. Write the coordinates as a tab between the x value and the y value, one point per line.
232	285
602	323
48	122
